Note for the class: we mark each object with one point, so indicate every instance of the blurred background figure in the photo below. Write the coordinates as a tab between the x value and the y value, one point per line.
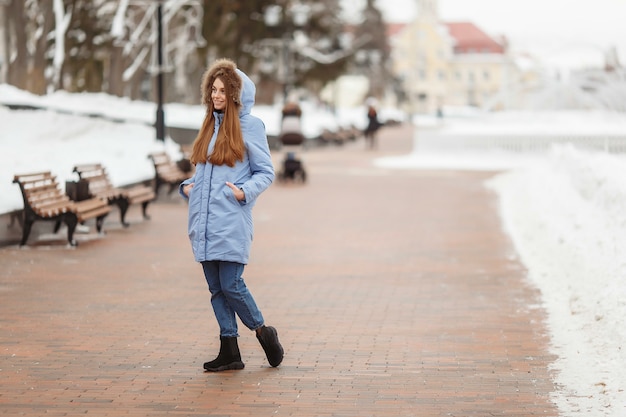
373	124
291	136
291	127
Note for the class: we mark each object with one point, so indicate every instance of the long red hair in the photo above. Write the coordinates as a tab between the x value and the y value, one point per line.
229	145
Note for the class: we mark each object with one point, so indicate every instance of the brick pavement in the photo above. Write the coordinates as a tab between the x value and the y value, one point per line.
395	293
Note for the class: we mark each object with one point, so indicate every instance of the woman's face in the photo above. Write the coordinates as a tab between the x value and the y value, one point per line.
218	95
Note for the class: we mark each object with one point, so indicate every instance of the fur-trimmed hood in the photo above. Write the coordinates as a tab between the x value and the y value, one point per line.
220	228
239	85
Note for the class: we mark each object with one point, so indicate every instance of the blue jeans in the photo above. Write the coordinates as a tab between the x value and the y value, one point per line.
230	296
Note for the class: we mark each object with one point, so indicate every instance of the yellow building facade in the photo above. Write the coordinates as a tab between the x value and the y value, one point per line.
447	64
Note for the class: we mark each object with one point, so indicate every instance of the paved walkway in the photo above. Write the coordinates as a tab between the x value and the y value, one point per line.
395	293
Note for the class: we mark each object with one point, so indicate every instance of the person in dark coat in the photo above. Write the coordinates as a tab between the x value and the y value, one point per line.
373	124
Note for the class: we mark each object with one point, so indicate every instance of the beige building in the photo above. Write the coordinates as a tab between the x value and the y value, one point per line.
448	63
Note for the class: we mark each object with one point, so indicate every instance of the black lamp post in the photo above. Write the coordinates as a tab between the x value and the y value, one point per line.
155	11
160	116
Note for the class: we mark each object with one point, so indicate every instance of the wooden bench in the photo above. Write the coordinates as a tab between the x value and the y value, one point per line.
44	200
100	186
166	172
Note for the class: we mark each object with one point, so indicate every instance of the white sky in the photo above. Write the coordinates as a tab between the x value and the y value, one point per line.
558	31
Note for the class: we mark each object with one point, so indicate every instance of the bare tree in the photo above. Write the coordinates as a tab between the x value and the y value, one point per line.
373	56
27	45
16	34
110	45
4	40
134	31
62	19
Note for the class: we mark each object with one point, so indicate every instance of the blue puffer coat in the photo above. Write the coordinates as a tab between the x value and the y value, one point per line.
220	227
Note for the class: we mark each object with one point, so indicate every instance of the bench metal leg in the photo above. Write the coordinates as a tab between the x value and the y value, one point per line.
100	222
157	186
57	225
123	204
144	210
28	224
71	221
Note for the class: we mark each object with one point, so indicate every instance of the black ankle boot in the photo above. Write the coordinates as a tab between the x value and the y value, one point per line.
268	338
229	357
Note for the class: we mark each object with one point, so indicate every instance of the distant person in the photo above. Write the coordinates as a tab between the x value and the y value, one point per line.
291	117
373	124
291	108
233	167
291	123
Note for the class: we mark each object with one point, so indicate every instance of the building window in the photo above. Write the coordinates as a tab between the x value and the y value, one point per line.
486	75
441	74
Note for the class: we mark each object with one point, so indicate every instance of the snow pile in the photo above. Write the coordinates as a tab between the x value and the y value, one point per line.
37	140
553	122
566	214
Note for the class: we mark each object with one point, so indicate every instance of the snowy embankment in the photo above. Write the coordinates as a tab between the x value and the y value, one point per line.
34	141
566	214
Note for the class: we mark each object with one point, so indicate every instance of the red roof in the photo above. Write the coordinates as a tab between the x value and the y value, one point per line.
470	39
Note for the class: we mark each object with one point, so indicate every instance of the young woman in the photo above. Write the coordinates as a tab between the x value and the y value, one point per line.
233	167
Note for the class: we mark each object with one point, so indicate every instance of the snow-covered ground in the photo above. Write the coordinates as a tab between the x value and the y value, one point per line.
565	210
566	215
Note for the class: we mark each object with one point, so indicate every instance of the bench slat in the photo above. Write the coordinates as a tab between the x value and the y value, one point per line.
101	186
167	171
86	205
92	211
139	194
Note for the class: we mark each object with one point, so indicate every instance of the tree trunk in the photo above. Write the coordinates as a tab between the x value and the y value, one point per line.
4	42
37	78
93	75
116	71
136	86
18	68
